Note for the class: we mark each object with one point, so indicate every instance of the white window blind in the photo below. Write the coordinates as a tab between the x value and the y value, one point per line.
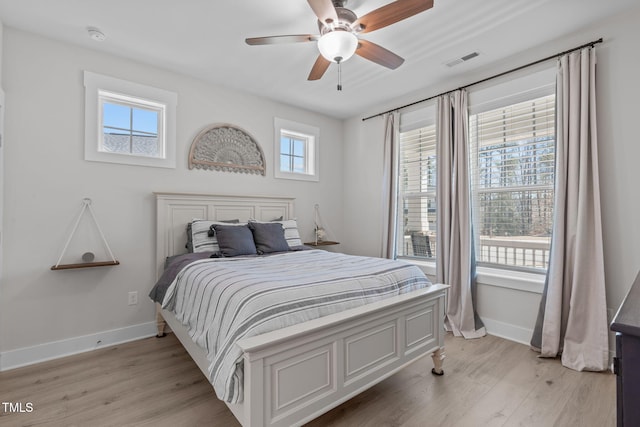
512	169
417	193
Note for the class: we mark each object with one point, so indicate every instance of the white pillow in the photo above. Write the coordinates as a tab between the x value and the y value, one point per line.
291	234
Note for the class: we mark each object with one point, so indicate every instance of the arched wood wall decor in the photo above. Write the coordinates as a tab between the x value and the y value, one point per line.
227	148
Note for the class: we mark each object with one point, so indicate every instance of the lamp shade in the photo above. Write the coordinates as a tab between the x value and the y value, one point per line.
338	45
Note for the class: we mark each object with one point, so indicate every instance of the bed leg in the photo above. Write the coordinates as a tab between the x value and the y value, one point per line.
160	323
438	358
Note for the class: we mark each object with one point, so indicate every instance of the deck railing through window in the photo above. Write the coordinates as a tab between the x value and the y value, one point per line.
526	252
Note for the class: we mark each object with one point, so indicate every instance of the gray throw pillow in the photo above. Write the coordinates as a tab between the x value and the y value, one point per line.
234	240
269	237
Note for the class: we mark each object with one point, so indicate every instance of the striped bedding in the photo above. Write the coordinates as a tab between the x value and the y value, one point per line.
223	300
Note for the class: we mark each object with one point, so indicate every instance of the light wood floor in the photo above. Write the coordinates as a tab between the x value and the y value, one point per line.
153	382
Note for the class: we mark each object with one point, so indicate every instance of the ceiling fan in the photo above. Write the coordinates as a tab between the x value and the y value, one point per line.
340	29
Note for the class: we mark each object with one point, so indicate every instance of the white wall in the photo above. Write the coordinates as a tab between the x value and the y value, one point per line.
1	43
47	178
509	311
363	184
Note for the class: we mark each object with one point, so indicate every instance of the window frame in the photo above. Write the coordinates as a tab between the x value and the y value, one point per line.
135	94
539	81
412	120
503	94
311	137
291	155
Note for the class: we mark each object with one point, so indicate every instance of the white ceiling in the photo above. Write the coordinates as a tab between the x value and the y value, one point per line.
205	39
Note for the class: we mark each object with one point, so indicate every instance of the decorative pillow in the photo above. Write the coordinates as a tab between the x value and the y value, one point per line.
199	238
291	233
235	240
269	237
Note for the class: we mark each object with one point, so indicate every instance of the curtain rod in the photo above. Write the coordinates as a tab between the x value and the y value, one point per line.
593	43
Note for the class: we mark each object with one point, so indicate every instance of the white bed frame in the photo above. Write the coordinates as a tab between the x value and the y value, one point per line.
295	374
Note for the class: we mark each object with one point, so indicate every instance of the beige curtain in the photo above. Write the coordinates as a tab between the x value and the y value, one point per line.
455	263
390	184
573	318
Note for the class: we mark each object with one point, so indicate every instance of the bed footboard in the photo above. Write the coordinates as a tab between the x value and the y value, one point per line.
294	375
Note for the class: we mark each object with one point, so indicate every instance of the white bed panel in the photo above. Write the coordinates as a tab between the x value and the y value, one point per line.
312	374
180	216
367	350
419	329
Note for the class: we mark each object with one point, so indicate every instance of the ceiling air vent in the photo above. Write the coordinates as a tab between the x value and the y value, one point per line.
462	59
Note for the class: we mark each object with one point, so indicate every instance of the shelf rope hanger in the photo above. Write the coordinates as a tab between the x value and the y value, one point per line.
86	205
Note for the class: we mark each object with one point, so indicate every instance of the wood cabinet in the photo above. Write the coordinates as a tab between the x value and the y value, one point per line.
626	363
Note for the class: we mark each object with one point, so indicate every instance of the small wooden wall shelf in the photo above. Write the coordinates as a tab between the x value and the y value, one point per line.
322	243
86	205
85	265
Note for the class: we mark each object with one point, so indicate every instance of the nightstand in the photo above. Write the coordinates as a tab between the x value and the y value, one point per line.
322	243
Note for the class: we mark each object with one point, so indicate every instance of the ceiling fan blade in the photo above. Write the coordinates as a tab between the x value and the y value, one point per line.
390	14
319	68
324	10
378	54
298	38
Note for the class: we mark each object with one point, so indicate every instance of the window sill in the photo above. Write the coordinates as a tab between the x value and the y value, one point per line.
296	176
518	280
428	267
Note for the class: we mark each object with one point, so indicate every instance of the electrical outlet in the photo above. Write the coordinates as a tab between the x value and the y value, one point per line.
133	298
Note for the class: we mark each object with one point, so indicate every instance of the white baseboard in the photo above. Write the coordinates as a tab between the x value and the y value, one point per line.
523	335
508	331
53	350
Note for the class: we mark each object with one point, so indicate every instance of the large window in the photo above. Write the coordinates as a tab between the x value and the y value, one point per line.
512	165
129	123
512	162
417	185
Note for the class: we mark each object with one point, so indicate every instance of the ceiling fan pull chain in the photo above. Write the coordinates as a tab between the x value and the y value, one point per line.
340	76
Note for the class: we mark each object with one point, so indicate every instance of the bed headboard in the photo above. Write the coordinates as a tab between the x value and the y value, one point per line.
175	210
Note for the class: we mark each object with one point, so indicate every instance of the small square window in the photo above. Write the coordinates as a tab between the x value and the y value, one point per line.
129	123
130	126
296	150
293	153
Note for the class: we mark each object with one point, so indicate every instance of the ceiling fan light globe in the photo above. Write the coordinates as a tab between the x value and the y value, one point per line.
338	45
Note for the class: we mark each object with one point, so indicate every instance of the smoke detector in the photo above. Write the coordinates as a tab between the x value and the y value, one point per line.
96	34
